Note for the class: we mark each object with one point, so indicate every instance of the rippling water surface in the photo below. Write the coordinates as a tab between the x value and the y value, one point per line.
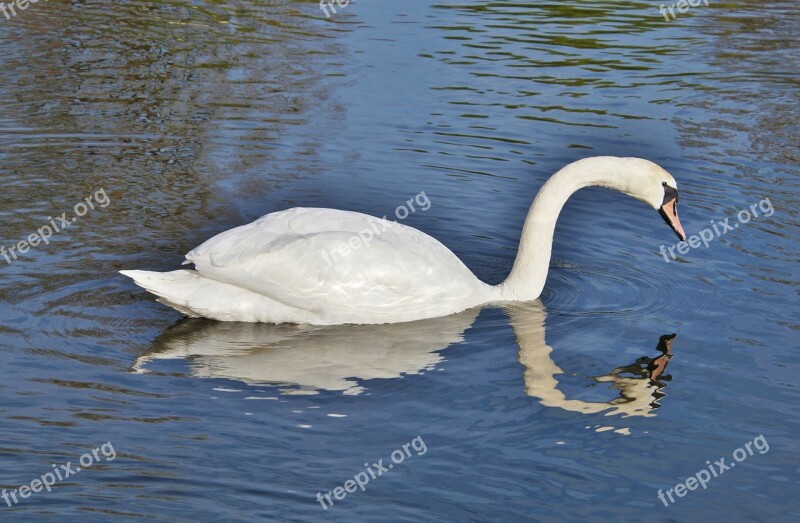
195	117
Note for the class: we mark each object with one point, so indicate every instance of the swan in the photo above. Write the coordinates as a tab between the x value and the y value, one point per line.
330	267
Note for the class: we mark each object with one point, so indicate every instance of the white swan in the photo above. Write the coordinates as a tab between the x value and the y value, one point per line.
292	266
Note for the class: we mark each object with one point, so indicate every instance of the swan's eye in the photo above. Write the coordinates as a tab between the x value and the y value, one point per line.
670	193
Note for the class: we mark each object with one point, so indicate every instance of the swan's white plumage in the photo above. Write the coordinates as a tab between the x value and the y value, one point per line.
291	266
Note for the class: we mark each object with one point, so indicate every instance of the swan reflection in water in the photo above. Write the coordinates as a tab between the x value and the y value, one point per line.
340	358
314	358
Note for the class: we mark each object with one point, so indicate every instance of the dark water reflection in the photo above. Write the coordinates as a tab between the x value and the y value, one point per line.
197	117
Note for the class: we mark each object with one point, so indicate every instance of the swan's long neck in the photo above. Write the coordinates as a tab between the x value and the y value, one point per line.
529	273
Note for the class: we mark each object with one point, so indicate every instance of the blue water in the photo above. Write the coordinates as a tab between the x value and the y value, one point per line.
198	117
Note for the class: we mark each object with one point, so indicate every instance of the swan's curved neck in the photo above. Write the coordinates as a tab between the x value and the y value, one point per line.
529	273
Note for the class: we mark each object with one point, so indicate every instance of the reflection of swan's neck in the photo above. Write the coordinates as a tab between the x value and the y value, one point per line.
528	275
528	321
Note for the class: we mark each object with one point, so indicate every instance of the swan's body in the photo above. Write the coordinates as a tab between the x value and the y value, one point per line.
284	268
327	267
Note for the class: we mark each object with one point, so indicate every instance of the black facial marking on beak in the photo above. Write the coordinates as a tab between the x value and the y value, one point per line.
670	193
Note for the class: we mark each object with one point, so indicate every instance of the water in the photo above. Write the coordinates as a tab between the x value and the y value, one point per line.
197	117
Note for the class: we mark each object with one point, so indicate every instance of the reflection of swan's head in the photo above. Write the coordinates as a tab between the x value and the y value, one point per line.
641	383
638	384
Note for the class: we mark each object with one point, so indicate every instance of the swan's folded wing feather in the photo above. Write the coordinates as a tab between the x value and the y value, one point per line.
317	259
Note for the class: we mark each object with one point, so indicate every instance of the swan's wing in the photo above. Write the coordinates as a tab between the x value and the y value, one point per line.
331	260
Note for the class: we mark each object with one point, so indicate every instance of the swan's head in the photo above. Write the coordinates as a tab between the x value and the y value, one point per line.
652	184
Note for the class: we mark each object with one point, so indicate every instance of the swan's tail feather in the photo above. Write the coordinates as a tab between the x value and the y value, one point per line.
193	294
172	288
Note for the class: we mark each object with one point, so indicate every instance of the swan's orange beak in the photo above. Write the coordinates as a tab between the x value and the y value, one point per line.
669	211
